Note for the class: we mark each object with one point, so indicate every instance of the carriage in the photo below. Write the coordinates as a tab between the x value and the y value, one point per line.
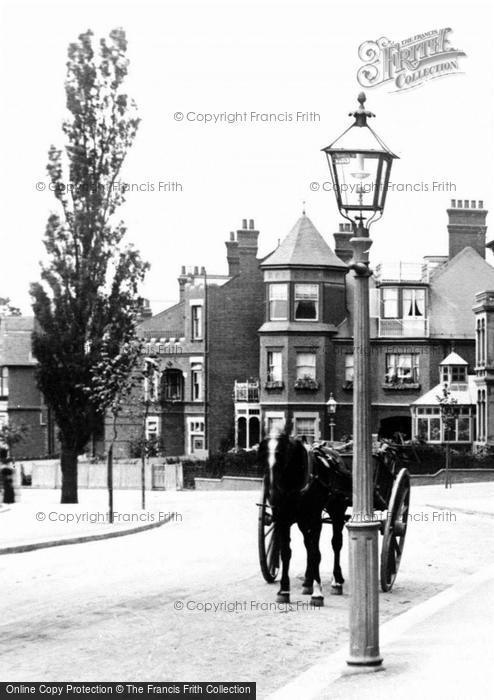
391	490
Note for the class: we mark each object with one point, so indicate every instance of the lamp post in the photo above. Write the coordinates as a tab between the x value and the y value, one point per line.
331	405
360	166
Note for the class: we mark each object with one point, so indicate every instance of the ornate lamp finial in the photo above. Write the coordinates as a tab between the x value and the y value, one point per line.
361	114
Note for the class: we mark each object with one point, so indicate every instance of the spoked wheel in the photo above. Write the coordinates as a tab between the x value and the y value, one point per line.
269	553
395	529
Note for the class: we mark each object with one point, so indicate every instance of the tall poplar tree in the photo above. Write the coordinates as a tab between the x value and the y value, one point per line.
87	301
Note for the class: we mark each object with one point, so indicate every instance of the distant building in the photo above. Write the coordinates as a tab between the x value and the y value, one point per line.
241	355
21	402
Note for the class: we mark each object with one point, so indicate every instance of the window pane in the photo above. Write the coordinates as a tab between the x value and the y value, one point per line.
348	368
275	426
306	301
275	373
306	427
435	426
278	302
390	302
464	428
306	365
423	429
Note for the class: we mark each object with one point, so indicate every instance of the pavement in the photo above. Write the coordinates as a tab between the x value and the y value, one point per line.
441	648
37	519
436	624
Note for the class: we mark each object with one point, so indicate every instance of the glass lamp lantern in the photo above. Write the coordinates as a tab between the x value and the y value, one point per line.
331	404
360	165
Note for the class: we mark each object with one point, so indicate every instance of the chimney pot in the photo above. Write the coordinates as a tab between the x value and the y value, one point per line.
183	270
196	270
481	203
473	204
466	204
244	224
251	224
453	203
342	228
460	204
232	236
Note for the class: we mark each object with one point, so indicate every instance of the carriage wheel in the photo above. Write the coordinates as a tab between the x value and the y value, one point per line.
395	529
269	553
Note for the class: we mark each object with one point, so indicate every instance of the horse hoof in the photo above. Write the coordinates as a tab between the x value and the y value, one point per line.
307	590
282	597
317	601
336	589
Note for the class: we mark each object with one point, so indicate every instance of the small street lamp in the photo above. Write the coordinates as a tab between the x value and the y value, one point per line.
360	165
331	405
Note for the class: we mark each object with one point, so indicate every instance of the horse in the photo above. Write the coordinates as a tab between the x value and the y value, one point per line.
302	482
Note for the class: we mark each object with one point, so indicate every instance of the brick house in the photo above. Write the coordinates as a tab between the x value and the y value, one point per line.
21	402
201	345
244	353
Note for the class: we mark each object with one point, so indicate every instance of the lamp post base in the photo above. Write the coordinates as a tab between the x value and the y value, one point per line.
363	536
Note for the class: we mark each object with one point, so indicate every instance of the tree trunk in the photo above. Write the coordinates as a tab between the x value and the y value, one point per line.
69	475
110	482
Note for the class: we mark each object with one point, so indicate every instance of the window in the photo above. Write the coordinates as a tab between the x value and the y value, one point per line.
348	367
278	302
172	385
275	371
402	369
196	373
454	374
305	427
390	302
196	435
431	428
306	302
275	425
196	322
429	424
4	381
306	365
413	303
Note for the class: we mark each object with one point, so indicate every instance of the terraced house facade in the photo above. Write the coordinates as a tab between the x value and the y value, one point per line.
268	343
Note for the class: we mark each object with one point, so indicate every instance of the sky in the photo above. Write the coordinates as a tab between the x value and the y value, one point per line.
267	57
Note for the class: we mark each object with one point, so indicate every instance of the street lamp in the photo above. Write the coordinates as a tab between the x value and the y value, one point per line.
360	166
331	405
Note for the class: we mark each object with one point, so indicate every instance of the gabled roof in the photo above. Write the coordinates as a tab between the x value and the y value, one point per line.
453	359
452	294
304	246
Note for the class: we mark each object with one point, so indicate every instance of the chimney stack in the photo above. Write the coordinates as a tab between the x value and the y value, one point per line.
232	256
247	246
467	227
342	238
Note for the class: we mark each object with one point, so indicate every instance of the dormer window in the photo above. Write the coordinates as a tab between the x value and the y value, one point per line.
306	301
454	375
453	370
278	302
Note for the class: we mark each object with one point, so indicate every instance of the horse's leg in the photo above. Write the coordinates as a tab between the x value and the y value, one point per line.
308	584
312	533
283	595
338	520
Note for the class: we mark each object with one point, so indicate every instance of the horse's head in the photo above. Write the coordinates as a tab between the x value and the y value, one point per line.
284	459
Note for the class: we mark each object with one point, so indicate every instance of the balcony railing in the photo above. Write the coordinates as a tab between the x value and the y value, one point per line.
246	391
403	327
402	272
